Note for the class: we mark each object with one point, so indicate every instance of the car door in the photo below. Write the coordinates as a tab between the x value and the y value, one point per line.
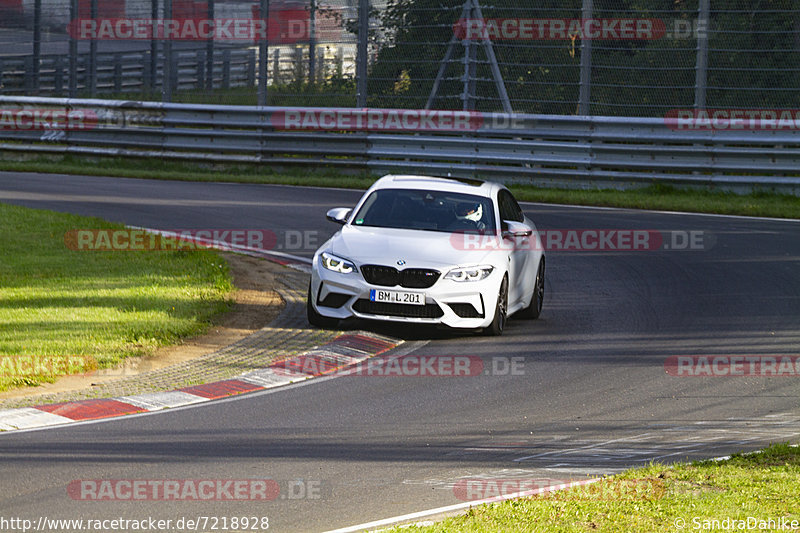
519	285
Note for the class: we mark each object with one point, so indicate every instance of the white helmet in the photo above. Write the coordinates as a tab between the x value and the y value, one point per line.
469	211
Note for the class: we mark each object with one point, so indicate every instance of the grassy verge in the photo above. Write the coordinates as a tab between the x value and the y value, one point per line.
67	311
656	197
751	488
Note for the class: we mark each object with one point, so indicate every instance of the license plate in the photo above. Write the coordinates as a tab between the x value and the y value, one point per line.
397	297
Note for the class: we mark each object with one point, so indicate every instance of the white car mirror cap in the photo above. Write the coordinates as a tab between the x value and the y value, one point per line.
516	229
339	215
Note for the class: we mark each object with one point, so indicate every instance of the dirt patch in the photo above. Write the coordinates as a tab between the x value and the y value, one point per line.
256	305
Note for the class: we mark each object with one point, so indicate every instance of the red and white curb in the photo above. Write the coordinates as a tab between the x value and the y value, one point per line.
341	352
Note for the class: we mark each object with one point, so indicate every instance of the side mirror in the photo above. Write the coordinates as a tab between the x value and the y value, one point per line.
339	215
516	229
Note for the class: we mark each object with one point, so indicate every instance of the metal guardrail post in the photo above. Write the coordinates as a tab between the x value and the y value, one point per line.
585	94
361	54
701	69
263	57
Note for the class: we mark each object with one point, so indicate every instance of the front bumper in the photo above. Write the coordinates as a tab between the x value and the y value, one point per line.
469	304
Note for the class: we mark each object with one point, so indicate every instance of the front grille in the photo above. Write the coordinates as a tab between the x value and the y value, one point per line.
368	307
334	300
418	278
465	310
381	275
410	278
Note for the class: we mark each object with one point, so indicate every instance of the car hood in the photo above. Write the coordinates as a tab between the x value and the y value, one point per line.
419	249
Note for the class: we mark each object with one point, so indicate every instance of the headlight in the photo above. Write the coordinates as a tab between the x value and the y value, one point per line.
470	273
337	264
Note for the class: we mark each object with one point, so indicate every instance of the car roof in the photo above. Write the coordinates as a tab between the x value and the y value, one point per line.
449	184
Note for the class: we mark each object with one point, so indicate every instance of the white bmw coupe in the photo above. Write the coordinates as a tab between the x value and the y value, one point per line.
424	250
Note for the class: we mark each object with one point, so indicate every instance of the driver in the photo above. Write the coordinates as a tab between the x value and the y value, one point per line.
472	212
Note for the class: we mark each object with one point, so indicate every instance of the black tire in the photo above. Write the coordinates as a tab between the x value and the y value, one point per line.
535	308
498	324
316	319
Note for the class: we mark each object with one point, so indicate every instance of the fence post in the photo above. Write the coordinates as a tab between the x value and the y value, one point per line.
73	52
210	51
276	66
312	43
153	67
117	73
58	75
701	70
263	57
28	66
226	69
93	54
147	74
321	66
166	82
470	72
37	43
200	68
175	72
585	96
361	54
251	68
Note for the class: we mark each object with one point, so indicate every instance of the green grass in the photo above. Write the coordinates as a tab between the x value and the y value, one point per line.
100	306
656	197
762	486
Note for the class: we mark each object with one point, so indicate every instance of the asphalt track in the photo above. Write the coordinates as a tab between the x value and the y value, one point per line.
592	396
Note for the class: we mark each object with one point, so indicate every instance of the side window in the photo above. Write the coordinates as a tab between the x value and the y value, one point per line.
509	208
517	209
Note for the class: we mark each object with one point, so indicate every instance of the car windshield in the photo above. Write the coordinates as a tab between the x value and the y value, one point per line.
427	210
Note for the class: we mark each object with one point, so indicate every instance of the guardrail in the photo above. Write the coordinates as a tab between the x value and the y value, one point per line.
575	151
